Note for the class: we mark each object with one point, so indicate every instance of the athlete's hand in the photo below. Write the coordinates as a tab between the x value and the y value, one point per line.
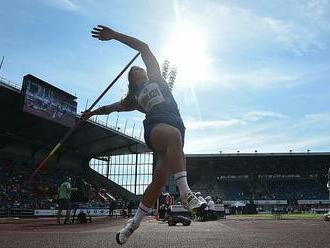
85	115
103	33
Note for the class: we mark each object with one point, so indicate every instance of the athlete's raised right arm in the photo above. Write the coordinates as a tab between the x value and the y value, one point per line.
104	33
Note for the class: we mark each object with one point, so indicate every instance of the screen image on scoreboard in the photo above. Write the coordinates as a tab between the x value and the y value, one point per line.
49	102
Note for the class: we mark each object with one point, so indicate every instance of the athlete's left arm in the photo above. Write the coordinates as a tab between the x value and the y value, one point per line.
107	109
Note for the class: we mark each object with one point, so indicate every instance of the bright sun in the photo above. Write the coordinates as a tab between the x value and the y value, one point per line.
186	49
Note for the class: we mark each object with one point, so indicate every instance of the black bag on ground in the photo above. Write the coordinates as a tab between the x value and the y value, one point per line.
82	218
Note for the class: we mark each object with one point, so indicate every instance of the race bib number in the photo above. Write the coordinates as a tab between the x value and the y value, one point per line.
150	96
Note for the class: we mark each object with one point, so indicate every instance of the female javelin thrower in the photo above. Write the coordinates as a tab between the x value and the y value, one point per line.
164	130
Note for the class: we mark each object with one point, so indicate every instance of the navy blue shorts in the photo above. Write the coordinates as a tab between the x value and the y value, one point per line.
148	126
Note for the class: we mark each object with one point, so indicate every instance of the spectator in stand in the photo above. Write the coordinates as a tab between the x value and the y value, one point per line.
41	194
64	200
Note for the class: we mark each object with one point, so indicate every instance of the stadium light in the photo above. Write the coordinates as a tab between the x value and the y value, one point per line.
140	133
106	123
3	57
125	126
133	129
117	119
86	105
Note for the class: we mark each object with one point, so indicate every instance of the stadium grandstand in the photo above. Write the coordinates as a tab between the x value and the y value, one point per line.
31	125
295	181
119	166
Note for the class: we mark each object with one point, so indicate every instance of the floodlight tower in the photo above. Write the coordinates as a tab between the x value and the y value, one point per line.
3	57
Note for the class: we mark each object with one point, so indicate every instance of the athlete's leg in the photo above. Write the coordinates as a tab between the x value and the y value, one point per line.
159	178
150	196
168	139
167	142
153	190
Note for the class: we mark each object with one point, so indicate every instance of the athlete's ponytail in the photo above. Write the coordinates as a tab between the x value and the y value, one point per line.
129	99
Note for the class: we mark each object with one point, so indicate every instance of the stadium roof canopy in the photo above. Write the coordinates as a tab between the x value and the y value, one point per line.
90	140
256	154
259	163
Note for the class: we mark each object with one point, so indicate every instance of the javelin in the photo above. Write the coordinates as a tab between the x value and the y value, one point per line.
72	130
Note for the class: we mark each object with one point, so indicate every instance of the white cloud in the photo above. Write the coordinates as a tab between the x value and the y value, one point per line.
266	142
62	4
313	123
239	28
226	77
258	115
315	11
318	118
263	131
297	39
253	116
215	124
260	78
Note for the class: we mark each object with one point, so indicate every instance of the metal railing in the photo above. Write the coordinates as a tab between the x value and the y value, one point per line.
5	82
136	133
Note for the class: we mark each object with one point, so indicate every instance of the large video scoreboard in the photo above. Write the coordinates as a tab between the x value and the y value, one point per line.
47	101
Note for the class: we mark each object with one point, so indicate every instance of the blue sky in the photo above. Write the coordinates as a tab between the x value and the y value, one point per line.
252	75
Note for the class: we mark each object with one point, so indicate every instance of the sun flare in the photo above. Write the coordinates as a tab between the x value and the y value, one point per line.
186	49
